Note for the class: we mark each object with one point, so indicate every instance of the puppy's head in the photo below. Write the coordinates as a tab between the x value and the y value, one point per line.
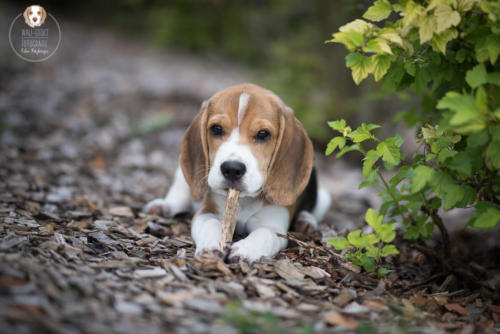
34	15
245	138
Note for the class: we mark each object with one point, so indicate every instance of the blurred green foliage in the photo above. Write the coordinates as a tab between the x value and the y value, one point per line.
281	39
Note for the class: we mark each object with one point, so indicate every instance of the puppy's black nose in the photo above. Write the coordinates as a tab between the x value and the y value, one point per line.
233	170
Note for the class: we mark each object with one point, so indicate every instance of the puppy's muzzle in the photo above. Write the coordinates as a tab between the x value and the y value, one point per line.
233	170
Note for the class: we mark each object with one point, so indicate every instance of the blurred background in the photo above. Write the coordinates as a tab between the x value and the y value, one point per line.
105	115
278	44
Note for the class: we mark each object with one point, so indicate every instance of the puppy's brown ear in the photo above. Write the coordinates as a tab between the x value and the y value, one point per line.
25	14
44	15
194	154
291	164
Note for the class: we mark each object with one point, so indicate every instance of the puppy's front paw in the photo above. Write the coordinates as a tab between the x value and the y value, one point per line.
159	207
208	250
305	223
244	251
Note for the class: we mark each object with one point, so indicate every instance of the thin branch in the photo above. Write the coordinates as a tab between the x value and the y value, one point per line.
439	222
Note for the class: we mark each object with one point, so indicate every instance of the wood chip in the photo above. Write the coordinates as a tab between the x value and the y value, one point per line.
288	271
121	211
149	273
229	218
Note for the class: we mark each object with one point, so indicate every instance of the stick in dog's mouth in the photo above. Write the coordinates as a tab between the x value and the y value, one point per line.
229	218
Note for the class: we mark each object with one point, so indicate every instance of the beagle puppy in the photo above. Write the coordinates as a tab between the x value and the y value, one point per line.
34	16
246	138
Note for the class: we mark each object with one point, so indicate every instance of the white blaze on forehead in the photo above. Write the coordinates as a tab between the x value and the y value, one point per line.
242	106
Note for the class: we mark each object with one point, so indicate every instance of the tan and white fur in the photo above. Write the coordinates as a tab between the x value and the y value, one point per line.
34	16
246	138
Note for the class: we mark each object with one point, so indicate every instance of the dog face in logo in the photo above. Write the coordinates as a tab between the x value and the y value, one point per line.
34	16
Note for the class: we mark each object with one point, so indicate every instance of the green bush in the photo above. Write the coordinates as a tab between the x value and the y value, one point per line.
447	52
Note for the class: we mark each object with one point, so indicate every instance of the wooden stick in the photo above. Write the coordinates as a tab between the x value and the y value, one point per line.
229	217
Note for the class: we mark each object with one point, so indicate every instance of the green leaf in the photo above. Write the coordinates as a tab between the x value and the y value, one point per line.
389	151
370	180
477	76
360	66
361	134
383	271
389	250
370	158
469	197
412	12
378	45
464	107
445	155
381	64
368	264
422	77
391	35
373	219
355	238
421	177
454	194
334	143
372	251
486	216
339	243
493	47
427	28
356	38
478	139
338	125
493	78
439	41
394	75
357	26
446	17
403	173
386	232
461	163
379	11
346	149
493	150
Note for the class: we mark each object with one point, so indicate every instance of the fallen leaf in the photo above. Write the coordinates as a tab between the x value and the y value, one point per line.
494	308
337	319
376	306
458	309
342	299
441	300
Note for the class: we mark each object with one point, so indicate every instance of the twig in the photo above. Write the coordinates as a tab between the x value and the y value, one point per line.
439	222
343	262
229	217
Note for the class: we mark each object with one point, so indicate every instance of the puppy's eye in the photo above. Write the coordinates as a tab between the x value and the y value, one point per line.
216	130
262	136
